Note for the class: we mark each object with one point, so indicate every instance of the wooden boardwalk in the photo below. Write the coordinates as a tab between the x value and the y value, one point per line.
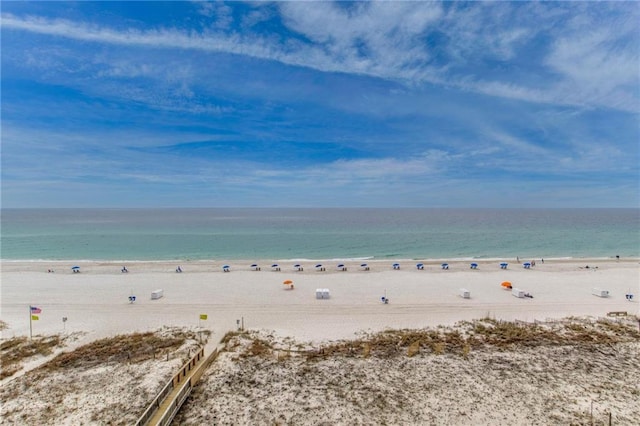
166	405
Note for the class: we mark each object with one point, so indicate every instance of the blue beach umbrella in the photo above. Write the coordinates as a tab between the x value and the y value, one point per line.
75	268
319	265
363	264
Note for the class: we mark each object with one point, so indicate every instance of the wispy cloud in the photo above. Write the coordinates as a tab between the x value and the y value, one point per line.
393	41
323	102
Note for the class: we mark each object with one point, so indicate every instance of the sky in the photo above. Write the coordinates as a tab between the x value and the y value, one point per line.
320	104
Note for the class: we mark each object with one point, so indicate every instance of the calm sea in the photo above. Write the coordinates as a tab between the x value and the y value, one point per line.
200	234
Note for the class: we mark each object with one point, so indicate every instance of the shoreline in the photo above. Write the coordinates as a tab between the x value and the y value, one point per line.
510	259
351	263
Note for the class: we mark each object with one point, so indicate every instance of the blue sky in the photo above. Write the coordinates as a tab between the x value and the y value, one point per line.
320	104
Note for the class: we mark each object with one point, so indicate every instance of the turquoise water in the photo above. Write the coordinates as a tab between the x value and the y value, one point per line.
200	234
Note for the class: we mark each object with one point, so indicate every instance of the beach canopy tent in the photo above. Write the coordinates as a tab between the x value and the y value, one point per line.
474	266
420	266
506	285
322	293
396	266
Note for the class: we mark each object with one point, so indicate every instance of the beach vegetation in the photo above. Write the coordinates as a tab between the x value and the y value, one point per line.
413	349
131	348
461	339
17	350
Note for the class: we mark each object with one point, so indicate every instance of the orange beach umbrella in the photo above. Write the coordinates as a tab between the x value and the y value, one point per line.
287	282
506	284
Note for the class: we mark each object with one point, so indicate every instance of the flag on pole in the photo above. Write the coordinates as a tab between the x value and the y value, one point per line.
35	310
35	317
203	316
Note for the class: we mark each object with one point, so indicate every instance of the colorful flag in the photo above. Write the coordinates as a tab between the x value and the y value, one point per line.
203	316
35	310
35	317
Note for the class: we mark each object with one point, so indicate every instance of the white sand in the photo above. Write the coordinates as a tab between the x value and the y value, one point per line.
95	300
532	386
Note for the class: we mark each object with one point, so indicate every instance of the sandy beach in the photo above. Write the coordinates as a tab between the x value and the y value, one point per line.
96	304
96	300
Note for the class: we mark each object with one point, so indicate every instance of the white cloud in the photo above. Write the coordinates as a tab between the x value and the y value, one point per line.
591	61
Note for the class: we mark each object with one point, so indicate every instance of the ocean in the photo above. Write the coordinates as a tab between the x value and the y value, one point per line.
316	233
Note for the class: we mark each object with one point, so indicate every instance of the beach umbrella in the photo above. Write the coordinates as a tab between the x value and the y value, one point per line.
75	267
275	265
287	282
363	264
506	284
254	265
319	265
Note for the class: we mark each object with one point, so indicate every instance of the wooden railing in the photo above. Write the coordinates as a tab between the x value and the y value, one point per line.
181	380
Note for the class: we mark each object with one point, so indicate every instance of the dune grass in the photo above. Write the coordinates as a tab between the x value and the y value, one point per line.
463	338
